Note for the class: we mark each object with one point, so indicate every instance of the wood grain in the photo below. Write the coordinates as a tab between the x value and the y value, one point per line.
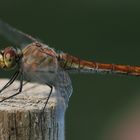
21	117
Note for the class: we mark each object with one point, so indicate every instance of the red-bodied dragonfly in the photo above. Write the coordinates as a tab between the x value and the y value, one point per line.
40	63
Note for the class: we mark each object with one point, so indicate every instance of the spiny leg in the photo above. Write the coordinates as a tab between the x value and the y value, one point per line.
51	87
20	89
42	111
26	82
10	81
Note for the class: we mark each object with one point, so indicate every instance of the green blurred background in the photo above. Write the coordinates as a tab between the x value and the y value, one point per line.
101	30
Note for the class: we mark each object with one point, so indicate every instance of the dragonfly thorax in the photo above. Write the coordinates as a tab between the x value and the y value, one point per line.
9	57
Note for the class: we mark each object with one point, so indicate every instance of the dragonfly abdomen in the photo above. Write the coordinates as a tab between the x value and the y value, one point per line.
74	64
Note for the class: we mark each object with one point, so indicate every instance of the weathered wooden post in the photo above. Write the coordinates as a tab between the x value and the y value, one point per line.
21	117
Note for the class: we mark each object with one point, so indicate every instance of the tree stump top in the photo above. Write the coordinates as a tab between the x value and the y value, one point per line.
33	96
21	116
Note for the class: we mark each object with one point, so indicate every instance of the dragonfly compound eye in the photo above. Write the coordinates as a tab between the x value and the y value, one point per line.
10	57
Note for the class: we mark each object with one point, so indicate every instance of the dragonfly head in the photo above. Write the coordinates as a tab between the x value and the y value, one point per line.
9	57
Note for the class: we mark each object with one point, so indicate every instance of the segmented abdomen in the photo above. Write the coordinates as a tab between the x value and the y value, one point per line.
74	64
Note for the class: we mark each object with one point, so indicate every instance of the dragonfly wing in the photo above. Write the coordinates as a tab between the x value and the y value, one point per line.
15	36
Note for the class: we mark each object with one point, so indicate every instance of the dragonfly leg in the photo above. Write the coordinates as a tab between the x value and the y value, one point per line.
26	82
10	81
51	87
42	111
20	88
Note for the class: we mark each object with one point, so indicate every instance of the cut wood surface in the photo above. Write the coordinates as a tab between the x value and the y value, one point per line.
21	117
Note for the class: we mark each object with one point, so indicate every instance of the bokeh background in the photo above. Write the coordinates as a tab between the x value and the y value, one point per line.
102	107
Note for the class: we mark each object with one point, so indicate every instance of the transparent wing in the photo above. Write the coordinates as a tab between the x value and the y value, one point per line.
15	36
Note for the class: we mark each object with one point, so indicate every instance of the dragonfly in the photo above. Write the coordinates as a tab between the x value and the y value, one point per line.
42	64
